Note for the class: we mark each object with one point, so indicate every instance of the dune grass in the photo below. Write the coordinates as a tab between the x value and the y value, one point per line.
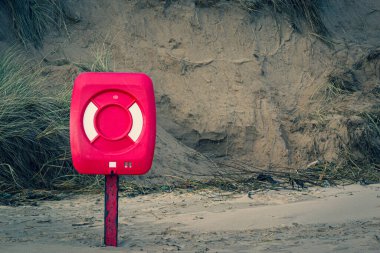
102	59
32	19
34	128
298	12
34	140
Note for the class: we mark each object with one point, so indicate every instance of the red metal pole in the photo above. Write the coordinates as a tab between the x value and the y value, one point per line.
111	210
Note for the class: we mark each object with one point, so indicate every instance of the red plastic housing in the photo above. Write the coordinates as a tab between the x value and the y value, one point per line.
112	123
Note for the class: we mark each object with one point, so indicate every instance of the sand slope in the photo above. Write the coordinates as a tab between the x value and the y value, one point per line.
233	84
316	220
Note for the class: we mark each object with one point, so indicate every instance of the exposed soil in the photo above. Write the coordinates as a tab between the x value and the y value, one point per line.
236	85
232	84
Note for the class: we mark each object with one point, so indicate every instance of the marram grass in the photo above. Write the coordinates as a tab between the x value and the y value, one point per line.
34	134
32	19
298	12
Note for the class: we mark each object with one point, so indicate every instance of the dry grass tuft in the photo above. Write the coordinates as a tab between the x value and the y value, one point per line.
338	82
102	59
341	82
364	138
373	56
298	12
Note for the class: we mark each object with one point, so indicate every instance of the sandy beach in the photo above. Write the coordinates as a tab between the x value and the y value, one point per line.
342	219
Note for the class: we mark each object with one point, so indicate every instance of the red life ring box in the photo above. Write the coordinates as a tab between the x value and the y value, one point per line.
112	123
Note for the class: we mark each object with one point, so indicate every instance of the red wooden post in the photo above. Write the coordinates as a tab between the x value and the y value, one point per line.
111	210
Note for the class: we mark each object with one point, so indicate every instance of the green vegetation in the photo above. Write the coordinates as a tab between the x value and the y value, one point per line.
34	139
34	127
32	19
